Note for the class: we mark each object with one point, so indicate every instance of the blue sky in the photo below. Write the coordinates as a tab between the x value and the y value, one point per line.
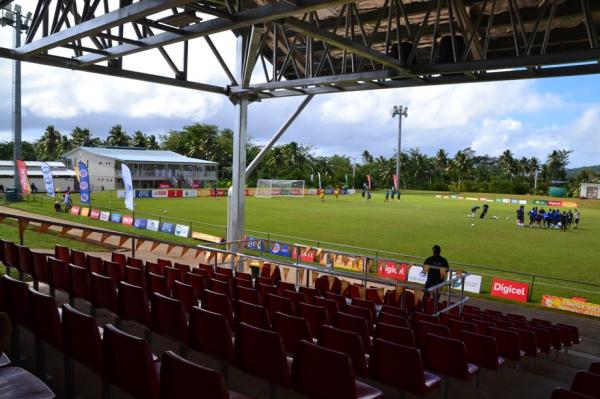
528	117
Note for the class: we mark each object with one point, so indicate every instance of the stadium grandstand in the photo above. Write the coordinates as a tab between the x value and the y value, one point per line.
63	176
137	324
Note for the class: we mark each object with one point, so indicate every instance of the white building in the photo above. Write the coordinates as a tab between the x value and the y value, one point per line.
590	190
149	168
63	178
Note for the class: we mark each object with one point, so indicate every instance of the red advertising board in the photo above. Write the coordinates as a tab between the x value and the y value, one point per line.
398	271
75	210
307	254
175	193
217	193
95	214
23	180
514	290
127	220
554	203
164	185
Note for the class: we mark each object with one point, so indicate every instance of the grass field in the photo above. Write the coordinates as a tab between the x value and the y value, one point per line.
410	226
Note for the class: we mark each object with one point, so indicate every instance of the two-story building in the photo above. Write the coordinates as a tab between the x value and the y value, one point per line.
149	168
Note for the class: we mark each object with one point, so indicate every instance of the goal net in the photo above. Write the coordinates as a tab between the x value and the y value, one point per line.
267	188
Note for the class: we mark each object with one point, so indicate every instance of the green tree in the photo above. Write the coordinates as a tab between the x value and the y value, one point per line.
138	139
462	163
84	138
152	143
49	146
117	137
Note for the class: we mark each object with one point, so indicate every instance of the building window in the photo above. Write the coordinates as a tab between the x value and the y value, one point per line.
99	163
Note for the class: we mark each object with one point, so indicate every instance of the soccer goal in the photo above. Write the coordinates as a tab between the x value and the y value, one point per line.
267	188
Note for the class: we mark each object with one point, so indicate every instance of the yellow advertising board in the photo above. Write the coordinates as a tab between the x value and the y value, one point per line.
570	305
351	263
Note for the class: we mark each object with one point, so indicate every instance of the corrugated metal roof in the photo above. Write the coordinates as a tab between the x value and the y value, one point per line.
55	173
141	155
52	164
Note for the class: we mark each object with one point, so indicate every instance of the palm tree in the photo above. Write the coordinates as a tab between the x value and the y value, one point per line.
367	157
461	163
48	147
82	138
138	139
117	137
441	162
507	163
533	169
152	143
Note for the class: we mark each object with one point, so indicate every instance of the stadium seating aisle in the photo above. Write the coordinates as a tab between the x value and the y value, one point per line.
122	291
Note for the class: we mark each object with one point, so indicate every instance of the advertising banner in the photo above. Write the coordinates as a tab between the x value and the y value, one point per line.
307	254
48	180
570	204
498	200
167	227
104	216
417	274
75	210
95	214
206	237
126	174
190	193
472	283
84	184
164	185
345	262
312	191
175	193
116	217
554	203
182	230
218	193
23	179
397	271
522	202
571	305
140	223
255	244
127	220
85	212
152	225
120	194
159	194
514	290
539	202
281	249
143	193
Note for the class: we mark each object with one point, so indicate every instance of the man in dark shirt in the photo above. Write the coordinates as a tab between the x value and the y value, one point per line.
434	275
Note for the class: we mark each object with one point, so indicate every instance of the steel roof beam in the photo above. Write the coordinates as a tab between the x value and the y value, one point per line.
112	19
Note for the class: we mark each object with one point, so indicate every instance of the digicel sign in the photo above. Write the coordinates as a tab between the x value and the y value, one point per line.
510	289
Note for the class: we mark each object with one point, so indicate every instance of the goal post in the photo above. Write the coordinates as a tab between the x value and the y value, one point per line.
268	188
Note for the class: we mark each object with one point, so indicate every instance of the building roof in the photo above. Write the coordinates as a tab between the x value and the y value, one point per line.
141	155
34	164
34	169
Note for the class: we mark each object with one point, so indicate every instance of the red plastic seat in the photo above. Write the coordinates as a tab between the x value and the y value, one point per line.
224	271
198	281
114	270
210	333
564	393
243	276
309	292
164	262
45	319
221	287
79	282
135	263
61	253
242	282
493	312
574	332
133	304
155	268
374	295
367	304
448	357
396	335
25	260
360	312
586	383
95	264
446	317
15	297
249	295
180	379
418	316
283	286
482	326
173	275
81	338
261	352
393	320
339	299
356	324
422	328
394	310
158	284
565	335
183	268
209	269
527	341
128	363
542	337
41	268
168	317
482	350
457	326
78	258
329	304
59	274
119	258
276	303
312	376
103	292
264	290
471	309
407	375
347	342
296	298
135	276
292	330
218	303
316	316
508	342
471	317
323	285
186	294
595	368
251	314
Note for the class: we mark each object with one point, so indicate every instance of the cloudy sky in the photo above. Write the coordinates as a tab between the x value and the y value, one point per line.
529	117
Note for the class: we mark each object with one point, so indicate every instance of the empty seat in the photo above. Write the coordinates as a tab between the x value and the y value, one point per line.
15	296
329	304
135	276
310	293
249	295
292	330
296	298
208	269
155	268
396	311
482	350
339	299
82	340
508	342
78	258
316	316
586	383
261	352
375	295
218	303
243	276
210	333
168	317
103	292
448	357
357	324
595	368
186	294
173	275
276	303
360	312
282	286
61	253
264	290
224	271
221	287
482	326
79	282
128	363
347	342
164	262
135	263
41	268
363	303
180	379
251	314
326	283
198	281
312	375
422	328
59	274
133	304
394	320
242	282
564	393
45	318
396	335
114	270
25	264
457	326
418	316
182	267
95	264
574	332
158	284
119	258
542	337
407	375
527	341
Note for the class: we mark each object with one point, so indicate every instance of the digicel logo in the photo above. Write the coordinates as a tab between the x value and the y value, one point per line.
508	289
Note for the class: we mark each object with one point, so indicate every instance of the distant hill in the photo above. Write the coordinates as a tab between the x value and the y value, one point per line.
575	171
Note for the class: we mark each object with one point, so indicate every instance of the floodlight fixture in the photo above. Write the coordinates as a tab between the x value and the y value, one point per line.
399	111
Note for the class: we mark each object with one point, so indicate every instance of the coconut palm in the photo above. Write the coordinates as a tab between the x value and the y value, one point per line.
48	147
117	137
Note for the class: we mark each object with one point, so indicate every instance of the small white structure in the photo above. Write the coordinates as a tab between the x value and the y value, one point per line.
63	178
149	168
590	190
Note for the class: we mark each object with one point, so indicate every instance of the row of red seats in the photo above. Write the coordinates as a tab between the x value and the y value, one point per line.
118	358
585	385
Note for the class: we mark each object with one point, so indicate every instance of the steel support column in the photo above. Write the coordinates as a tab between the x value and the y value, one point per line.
17	101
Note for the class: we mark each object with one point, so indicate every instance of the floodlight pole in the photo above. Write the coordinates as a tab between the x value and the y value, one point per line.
399	111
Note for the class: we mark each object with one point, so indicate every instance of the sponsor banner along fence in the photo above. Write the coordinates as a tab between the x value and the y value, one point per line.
127	220
510	289
397	271
571	305
538	202
104	216
152	225
207	192
182	230
116	217
140	223
75	210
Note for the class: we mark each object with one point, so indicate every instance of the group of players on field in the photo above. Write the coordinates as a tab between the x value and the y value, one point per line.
550	219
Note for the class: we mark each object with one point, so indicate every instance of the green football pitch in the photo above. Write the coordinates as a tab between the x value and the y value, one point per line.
409	226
